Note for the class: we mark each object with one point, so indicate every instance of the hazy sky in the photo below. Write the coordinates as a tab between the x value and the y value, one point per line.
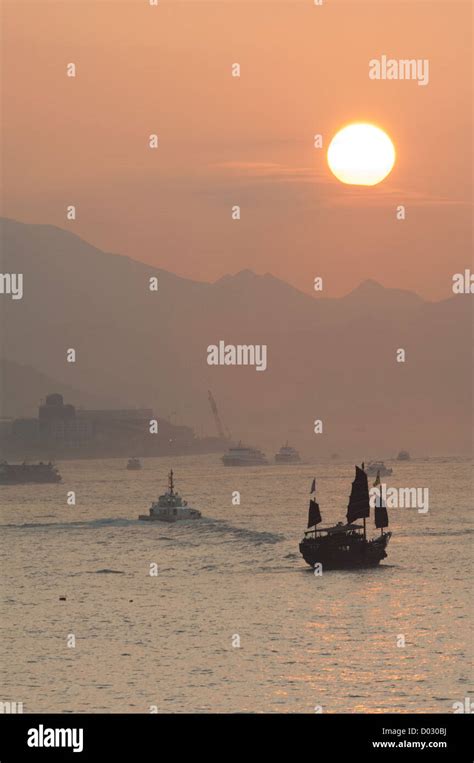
246	141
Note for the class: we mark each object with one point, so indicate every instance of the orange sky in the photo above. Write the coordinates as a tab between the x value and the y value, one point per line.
247	141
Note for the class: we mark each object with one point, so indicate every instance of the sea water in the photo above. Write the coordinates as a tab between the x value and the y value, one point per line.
102	612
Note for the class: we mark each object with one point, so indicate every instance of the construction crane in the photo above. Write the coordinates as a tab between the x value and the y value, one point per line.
220	429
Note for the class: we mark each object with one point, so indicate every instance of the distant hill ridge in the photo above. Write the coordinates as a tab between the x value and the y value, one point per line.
328	358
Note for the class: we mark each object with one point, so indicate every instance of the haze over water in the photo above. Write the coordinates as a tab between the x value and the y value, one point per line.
167	640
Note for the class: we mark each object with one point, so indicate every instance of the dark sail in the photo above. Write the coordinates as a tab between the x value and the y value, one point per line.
359	501
314	515
381	516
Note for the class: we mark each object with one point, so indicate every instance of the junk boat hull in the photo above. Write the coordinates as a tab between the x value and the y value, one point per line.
344	553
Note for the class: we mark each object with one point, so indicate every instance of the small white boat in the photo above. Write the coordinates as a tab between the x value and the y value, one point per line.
241	455
170	507
287	455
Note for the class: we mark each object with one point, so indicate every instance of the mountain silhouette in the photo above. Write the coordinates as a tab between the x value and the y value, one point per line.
328	359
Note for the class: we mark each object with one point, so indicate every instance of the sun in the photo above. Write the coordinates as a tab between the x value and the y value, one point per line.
361	154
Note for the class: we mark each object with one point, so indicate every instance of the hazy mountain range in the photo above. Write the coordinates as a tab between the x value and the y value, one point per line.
329	359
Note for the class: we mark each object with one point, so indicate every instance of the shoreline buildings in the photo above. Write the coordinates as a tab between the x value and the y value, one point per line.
61	430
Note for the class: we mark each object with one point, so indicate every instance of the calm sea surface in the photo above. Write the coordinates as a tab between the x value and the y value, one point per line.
167	640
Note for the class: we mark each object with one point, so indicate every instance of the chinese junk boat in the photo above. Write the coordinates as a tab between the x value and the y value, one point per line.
346	546
24	474
170	507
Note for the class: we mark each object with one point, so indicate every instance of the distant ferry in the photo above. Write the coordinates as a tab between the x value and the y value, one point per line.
23	474
403	456
240	455
287	455
377	467
170	507
133	464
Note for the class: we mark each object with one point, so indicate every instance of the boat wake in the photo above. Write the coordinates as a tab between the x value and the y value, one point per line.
213	526
198	530
84	525
435	533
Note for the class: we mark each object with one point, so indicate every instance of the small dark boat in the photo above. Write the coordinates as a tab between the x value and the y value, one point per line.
345	546
24	474
403	456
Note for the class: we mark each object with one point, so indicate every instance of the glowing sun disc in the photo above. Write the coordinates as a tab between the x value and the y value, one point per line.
361	154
